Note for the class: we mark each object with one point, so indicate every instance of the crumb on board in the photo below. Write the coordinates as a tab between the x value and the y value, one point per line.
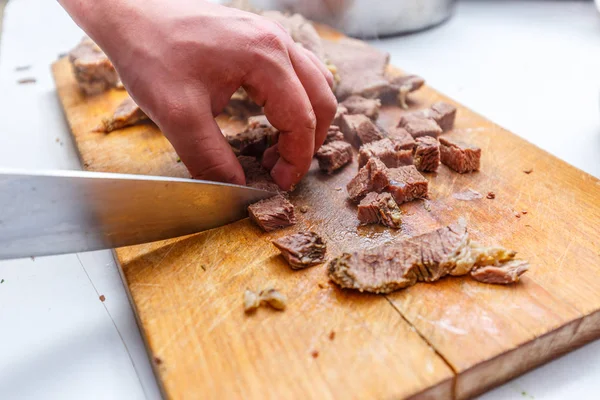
491	195
528	171
102	298
427	205
321	286
517	214
157	360
203	267
272	297
338	189
314	353
331	335
523	212
528	226
22	68
304	209
25	81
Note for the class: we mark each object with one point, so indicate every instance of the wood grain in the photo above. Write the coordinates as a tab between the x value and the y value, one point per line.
454	338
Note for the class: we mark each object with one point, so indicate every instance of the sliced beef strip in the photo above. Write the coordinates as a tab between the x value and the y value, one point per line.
340	111
359	129
360	105
406	184
418	125
334	156
272	213
127	113
93	70
379	208
334	134
402	138
505	273
427	154
302	250
370	178
385	150
459	156
254	140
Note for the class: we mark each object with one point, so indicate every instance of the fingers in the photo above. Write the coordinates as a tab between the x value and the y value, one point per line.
270	157
319	64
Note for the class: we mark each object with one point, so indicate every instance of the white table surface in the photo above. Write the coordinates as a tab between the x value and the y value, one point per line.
59	341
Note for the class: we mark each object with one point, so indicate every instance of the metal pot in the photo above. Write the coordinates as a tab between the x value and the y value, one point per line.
368	18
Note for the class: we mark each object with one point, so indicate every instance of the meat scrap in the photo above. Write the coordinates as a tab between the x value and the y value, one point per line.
359	129
93	70
379	208
427	154
240	105
272	213
333	134
370	178
256	176
406	184
258	136
128	113
387	151
404	85
339	112
270	296
302	250
458	156
402	138
334	156
503	274
402	263
418	125
360	105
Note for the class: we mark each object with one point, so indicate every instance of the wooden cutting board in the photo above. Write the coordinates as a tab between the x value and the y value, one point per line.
451	339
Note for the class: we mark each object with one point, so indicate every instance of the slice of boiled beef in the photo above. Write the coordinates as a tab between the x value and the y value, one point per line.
359	129
302	250
258	136
402	138
128	113
459	156
379	208
505	273
360	105
418	125
427	154
93	70
373	177
390	153
406	184
334	155
334	134
272	213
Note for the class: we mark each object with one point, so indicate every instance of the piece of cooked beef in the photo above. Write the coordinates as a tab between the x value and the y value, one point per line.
419	125
302	250
444	114
334	156
272	213
241	106
255	139
385	150
334	134
93	70
404	85
359	129
427	154
459	156
406	184
401	137
256	176
300	29
341	110
370	178
379	208
128	113
505	273
359	105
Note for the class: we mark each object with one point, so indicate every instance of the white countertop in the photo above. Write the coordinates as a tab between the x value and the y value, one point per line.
533	67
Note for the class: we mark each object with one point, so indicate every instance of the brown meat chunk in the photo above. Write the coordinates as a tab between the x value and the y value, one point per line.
444	114
385	150
370	178
503	274
379	208
359	129
334	134
459	156
258	136
302	250
339	112
334	156
241	106
427	154
256	176
128	113
418	125
403	139
93	70
273	213
406	184
360	105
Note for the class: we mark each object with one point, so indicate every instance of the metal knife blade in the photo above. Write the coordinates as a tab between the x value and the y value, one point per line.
57	212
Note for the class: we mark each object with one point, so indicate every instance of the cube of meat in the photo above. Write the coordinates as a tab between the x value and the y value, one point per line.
341	111
379	208
402	138
334	156
334	134
385	150
359	129
418	125
459	156
406	184
258	136
444	114
273	213
427	154
302	250
93	70
128	113
256	176
370	178
360	105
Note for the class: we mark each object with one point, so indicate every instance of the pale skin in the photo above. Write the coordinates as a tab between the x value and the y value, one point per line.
181	60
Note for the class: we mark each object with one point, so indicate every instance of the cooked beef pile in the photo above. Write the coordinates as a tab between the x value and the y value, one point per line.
93	70
273	213
418	125
427	154
128	113
426	258
302	250
360	105
388	152
379	208
458	156
334	156
402	138
334	134
258	136
373	177
358	129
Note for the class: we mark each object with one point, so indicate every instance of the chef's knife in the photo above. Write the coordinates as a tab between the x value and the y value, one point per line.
57	212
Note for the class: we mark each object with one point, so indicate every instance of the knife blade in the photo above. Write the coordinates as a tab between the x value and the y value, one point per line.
57	212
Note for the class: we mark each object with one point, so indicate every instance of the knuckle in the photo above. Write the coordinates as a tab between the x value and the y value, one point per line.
269	40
